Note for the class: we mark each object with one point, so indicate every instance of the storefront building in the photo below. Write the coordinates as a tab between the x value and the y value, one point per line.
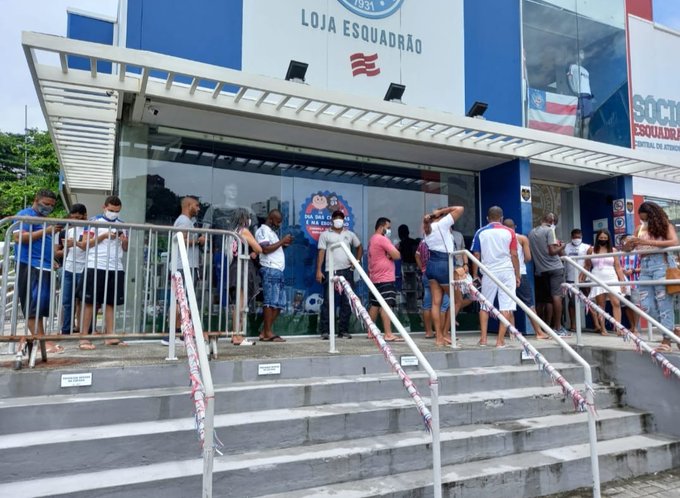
195	104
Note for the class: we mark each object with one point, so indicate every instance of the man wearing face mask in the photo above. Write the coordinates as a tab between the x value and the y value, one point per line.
104	280
33	252
574	248
381	257
342	267
273	262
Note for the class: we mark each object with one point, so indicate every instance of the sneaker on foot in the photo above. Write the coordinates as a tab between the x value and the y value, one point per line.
179	340
344	335
324	337
562	332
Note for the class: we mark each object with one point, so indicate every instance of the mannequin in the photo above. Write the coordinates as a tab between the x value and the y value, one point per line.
578	78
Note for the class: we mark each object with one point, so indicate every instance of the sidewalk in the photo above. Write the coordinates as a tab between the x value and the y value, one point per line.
660	485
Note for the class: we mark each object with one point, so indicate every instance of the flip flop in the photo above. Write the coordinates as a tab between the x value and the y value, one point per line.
56	349
395	339
430	336
115	342
245	342
87	346
275	338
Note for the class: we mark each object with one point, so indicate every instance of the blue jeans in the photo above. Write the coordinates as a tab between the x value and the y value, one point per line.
427	297
68	298
654	299
274	287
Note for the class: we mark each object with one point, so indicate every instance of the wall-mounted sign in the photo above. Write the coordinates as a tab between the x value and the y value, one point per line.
600	224
269	369
76	380
316	211
408	361
525	193
618	207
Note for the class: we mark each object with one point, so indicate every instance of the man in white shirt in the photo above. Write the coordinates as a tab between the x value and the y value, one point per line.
342	266
273	262
574	248
104	281
75	259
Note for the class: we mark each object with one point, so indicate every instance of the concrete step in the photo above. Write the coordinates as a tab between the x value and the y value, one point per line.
325	464
105	378
95	409
527	474
272	430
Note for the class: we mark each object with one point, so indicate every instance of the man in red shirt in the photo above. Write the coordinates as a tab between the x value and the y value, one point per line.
381	256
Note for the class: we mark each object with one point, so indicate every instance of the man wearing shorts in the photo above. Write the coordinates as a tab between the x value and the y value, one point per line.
549	272
33	252
273	262
104	280
495	245
381	257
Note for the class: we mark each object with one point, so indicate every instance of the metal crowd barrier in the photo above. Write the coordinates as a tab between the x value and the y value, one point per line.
434	380
588	374
145	312
609	286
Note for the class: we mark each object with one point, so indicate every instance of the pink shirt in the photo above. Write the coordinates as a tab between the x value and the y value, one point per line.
380	265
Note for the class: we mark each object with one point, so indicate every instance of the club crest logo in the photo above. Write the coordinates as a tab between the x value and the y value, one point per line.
372	9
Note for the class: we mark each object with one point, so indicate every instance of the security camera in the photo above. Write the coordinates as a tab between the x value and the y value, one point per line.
153	110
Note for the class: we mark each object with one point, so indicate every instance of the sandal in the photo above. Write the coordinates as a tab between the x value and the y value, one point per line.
243	342
394	339
55	349
86	346
274	338
115	342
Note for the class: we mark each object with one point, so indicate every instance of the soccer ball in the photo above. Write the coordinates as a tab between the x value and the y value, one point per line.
313	303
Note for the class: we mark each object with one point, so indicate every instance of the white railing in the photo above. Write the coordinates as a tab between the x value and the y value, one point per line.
588	374
666	366
609	287
434	380
203	392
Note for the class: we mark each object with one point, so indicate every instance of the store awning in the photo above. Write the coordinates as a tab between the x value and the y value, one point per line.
82	107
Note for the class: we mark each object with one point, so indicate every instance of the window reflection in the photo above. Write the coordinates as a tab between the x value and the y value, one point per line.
575	69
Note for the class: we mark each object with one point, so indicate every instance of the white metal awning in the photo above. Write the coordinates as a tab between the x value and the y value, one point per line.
82	107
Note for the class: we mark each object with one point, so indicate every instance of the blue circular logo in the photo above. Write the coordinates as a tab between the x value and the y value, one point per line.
373	9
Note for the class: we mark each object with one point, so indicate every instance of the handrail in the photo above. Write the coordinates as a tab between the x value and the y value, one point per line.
434	380
667	367
193	330
588	374
621	298
626	253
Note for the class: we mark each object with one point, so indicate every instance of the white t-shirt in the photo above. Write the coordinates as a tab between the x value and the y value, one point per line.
75	258
495	242
108	253
340	259
440	238
265	236
571	250
580	79
183	221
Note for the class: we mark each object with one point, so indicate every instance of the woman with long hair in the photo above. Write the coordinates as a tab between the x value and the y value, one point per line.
655	232
440	244
606	269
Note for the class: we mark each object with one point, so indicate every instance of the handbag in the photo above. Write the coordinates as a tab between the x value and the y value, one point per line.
672	273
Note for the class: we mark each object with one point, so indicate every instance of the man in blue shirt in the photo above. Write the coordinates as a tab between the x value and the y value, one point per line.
33	252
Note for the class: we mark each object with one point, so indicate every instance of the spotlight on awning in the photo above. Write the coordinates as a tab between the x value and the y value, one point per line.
394	92
296	71
477	110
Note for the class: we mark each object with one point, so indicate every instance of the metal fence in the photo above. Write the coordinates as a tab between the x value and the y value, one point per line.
120	273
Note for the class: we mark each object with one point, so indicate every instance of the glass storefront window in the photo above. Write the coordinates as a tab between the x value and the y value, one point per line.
575	68
157	168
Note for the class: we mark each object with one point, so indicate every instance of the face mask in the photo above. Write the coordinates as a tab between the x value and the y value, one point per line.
388	233
44	210
603	242
577	242
111	215
338	223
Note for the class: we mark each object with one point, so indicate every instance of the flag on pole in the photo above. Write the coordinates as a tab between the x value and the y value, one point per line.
552	112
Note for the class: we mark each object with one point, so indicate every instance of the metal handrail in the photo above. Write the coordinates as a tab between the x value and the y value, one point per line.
622	299
434	379
588	374
667	367
626	253
206	376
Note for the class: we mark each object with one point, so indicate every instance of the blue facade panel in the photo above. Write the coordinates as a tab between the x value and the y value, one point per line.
493	68
81	27
203	30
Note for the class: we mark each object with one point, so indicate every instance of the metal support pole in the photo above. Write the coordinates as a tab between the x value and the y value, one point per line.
579	325
436	446
650	331
331	303
592	434
172	355
452	303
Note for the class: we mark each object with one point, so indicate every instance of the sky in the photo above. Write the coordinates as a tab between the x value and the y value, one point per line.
49	16
16	85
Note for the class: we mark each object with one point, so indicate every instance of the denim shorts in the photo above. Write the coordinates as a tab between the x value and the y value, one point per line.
427	297
273	286
438	267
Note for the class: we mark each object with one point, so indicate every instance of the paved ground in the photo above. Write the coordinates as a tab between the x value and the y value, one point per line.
659	485
150	352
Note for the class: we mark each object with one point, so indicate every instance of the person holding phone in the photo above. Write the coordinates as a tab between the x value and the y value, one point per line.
74	257
104	280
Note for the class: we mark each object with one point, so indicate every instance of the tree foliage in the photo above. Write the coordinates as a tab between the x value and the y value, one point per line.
43	170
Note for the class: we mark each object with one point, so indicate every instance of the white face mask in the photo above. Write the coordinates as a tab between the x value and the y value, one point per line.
576	242
111	215
388	233
338	223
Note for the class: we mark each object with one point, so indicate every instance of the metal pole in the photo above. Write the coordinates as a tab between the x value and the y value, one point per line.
172	319
592	434
579	326
436	445
452	303
331	301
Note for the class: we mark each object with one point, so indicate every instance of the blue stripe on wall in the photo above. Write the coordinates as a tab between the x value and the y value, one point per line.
80	27
493	63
